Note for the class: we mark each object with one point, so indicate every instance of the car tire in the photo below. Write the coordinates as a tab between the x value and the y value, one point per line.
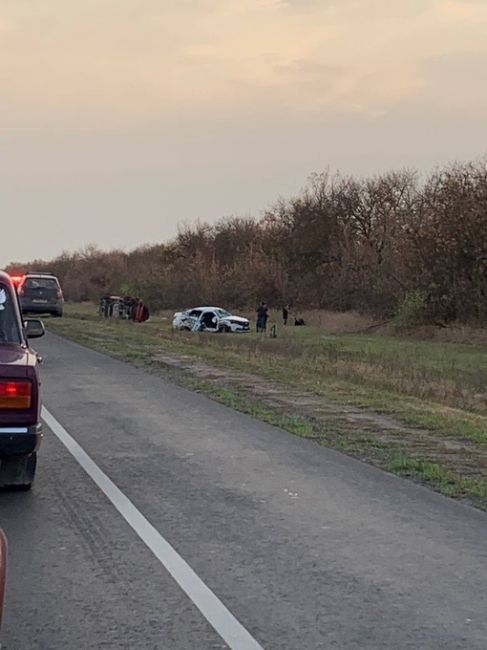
18	473
225	329
58	314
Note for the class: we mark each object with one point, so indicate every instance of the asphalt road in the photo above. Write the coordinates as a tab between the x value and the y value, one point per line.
308	549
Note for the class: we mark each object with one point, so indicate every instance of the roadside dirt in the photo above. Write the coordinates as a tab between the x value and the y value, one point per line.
458	455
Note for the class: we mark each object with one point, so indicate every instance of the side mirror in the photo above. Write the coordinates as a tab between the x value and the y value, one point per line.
34	328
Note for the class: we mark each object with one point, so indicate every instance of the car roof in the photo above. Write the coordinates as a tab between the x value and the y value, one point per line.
206	308
34	274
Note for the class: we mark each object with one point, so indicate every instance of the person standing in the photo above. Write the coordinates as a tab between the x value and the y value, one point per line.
285	314
262	316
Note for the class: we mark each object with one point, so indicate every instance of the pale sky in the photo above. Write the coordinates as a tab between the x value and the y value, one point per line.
120	119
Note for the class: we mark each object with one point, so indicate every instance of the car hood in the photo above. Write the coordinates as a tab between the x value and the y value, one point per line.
237	319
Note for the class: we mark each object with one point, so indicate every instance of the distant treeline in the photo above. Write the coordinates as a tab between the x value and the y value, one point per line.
343	243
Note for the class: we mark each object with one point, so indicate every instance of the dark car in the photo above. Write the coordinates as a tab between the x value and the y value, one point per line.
41	293
20	405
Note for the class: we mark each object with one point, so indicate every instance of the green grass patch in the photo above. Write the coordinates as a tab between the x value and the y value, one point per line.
441	479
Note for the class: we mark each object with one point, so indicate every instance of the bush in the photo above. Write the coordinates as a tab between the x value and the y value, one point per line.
411	311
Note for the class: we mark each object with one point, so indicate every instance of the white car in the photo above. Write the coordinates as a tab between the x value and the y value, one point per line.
209	319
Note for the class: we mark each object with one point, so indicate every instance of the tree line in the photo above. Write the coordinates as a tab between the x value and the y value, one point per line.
368	244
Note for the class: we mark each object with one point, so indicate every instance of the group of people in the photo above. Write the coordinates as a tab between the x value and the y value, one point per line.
263	315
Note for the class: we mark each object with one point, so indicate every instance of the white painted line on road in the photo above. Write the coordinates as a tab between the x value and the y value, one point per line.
215	612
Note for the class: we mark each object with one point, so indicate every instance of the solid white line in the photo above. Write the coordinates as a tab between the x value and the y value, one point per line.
215	612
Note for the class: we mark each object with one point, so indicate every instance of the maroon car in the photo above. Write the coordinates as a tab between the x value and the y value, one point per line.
20	425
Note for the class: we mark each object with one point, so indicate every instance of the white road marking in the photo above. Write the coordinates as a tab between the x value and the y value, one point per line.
215	612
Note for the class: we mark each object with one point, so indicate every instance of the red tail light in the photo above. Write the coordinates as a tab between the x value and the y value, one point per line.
17	279
15	394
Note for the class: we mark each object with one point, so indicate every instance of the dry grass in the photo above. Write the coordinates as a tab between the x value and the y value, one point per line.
334	322
455	333
352	322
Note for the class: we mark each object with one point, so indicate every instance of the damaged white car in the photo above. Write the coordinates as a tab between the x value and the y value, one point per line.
209	319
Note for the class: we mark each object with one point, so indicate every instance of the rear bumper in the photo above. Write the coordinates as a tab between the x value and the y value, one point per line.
50	307
19	440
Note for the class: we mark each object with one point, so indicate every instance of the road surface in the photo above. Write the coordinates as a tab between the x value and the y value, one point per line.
190	526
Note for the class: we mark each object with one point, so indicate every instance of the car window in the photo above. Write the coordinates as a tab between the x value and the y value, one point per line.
222	313
195	312
41	283
9	325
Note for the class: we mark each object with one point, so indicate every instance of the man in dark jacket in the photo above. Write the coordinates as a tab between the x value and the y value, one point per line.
285	314
262	316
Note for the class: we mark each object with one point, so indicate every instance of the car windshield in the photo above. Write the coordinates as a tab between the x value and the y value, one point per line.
9	326
40	283
222	313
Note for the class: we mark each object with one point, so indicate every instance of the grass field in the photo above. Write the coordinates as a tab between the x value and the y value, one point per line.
435	392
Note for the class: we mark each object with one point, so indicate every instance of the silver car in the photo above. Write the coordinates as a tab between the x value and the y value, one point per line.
210	319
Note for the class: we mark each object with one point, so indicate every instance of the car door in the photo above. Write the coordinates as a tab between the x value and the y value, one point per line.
192	319
210	321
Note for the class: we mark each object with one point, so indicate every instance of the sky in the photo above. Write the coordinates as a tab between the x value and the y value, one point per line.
122	119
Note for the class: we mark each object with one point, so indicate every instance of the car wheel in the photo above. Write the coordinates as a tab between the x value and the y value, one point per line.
18	473
58	314
225	329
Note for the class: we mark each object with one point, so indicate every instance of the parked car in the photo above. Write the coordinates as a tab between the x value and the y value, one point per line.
20	405
40	293
209	319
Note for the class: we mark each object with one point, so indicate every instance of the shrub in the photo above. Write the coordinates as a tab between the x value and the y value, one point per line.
411	310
